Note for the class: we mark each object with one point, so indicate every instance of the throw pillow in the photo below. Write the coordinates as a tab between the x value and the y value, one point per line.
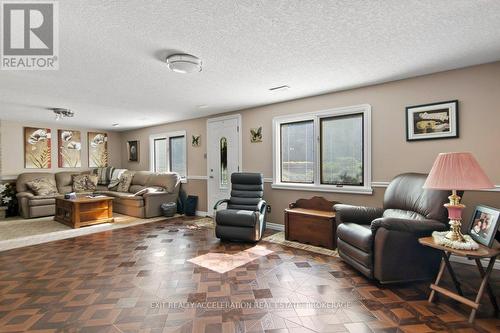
103	175
84	183
125	181
115	178
42	186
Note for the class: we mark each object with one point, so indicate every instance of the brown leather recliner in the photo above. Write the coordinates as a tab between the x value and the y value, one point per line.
382	243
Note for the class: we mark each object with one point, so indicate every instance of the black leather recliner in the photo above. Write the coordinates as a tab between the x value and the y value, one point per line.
383	243
244	218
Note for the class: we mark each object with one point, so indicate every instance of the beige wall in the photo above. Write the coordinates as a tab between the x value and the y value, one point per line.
477	89
12	147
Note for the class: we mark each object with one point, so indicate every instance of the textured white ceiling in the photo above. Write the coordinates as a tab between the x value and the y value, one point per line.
111	53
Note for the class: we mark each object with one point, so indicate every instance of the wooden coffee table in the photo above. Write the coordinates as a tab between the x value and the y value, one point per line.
84	211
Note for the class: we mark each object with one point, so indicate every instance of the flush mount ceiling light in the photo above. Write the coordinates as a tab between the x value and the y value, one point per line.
62	113
184	63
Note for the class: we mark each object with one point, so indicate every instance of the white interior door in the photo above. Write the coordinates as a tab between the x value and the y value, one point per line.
223	156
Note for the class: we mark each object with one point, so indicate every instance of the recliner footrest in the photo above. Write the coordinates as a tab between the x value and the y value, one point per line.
237	218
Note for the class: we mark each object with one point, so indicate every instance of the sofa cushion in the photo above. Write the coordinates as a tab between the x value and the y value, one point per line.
42	186
129	201
116	194
42	200
64	181
136	188
403	214
84	183
101	188
126	195
237	218
141	177
23	178
357	235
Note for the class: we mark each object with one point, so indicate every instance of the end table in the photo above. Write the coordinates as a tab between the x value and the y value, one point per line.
482	253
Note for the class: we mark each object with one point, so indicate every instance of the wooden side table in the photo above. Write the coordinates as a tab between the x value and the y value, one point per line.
311	221
482	253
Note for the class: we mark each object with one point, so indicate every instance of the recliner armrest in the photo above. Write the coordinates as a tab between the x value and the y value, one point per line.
24	195
356	214
220	202
417	227
155	194
261	206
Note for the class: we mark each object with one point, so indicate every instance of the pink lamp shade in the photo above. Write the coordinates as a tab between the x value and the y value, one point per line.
457	171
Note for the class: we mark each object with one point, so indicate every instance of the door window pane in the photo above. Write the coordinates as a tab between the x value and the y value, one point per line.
160	156
223	162
178	155
342	150
297	152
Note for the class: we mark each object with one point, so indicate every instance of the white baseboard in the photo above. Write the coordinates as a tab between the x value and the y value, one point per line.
466	261
201	213
275	226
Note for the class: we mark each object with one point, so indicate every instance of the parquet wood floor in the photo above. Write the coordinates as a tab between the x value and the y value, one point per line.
154	278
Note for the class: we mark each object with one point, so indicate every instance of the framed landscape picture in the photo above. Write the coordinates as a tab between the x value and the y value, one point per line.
133	151
98	149
37	148
69	145
484	224
432	121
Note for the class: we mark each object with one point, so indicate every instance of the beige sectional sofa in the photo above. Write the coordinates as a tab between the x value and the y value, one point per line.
144	206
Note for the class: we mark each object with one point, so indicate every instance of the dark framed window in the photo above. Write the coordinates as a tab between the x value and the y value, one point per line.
160	155
177	154
341	150
297	152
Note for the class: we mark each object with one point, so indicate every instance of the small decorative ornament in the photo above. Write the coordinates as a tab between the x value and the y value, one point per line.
195	140
256	135
441	239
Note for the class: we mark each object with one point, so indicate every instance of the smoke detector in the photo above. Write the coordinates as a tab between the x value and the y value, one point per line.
184	63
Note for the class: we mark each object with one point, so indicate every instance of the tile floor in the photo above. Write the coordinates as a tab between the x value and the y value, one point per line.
174	276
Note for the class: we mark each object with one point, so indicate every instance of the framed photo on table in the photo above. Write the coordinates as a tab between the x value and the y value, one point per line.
432	121
484	225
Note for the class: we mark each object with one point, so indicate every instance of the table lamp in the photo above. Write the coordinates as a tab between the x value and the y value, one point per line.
456	171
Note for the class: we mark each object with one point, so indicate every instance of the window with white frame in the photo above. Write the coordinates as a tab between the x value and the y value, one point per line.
168	153
327	150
